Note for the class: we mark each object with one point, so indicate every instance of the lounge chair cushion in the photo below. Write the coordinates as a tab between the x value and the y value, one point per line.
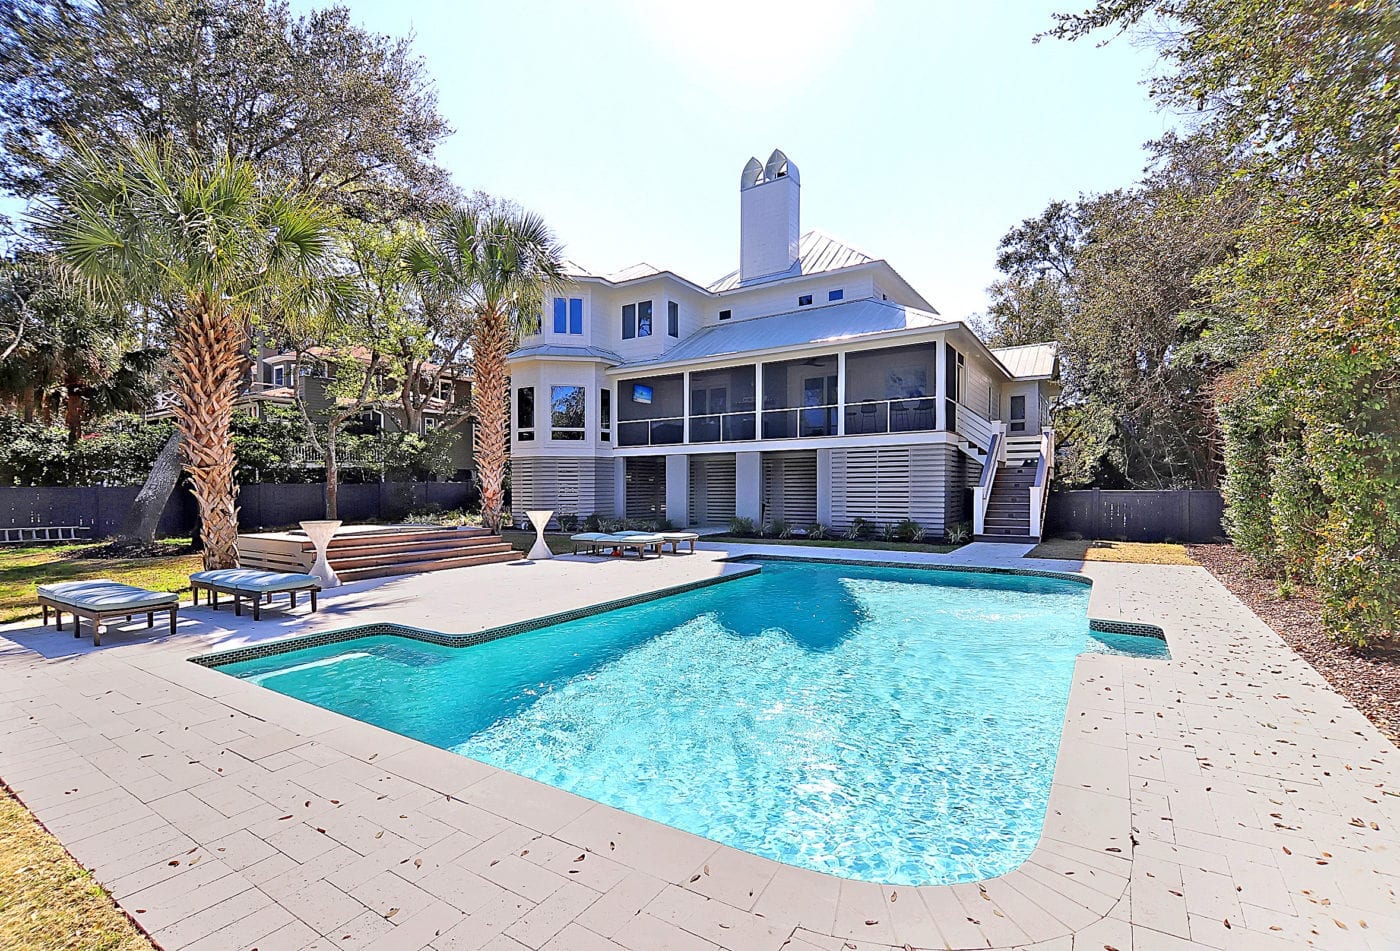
680	536
634	538
630	534
589	537
252	580
106	595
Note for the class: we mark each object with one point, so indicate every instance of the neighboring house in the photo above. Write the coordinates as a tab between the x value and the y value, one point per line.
270	384
813	384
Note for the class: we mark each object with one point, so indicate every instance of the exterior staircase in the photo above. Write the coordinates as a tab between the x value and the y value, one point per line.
1009	507
360	552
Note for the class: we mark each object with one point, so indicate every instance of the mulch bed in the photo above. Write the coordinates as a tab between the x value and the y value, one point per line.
1370	679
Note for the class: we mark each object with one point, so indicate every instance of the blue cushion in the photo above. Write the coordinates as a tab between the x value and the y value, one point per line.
106	595
250	579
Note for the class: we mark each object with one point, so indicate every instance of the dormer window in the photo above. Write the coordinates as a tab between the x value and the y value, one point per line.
636	320
837	294
673	319
805	300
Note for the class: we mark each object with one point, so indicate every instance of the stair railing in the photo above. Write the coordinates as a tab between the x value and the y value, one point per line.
1040	489
982	491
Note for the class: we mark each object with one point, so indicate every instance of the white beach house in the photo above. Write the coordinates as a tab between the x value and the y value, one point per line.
812	385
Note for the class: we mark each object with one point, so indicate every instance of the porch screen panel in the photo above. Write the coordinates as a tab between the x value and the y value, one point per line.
646	487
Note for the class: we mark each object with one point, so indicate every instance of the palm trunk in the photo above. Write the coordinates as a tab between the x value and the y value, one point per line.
332	476
492	395
208	352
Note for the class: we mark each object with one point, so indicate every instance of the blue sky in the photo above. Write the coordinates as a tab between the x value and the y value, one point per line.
923	130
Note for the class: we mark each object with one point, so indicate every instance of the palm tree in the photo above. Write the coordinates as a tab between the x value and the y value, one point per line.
207	245
498	265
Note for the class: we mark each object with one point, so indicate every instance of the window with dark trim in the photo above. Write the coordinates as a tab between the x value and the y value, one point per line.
568	315
726	314
673	319
804	301
644	318
525	413
566	412
837	294
629	321
605	416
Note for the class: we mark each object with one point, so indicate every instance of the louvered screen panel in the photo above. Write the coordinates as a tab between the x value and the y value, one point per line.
790	487
646	487
712	489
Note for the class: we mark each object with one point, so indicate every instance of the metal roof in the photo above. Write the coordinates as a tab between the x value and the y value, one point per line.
831	323
816	252
1030	360
554	350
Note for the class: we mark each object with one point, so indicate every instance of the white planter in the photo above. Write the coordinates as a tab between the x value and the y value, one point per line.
540	518
320	531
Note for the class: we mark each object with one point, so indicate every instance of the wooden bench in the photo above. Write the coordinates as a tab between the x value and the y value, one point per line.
253	584
101	600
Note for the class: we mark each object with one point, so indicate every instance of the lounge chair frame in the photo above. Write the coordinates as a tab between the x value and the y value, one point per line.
99	618
256	598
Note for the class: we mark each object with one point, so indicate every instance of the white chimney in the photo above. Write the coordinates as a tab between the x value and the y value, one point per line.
769	227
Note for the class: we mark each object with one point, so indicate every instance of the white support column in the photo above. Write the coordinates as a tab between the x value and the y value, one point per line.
840	409
824	486
685	406
678	489
620	487
940	373
748	485
758	401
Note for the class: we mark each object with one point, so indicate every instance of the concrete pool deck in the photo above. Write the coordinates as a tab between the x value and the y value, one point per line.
1225	798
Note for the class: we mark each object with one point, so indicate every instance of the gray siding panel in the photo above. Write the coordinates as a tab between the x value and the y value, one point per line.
568	485
885	484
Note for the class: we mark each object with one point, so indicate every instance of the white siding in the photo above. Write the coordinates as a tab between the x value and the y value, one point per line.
887	483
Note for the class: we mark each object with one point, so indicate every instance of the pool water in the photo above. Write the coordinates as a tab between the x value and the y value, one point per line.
883	724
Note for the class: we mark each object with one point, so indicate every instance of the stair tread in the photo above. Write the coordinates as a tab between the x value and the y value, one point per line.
416	557
441	564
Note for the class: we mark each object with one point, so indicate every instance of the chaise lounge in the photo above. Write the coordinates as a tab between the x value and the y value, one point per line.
255	585
641	542
102	599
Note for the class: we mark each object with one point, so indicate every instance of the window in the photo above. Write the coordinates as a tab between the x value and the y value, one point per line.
726	314
525	413
605	417
804	301
673	319
445	391
568	315
960	379
279	376
566	412
837	294
636	320
430	421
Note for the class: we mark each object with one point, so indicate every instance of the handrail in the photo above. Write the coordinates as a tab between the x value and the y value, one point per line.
1044	468
883	414
973	425
982	491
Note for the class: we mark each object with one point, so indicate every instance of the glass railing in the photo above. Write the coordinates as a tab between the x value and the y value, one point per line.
667	431
915	415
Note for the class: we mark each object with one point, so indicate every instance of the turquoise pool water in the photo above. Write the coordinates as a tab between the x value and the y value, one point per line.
883	724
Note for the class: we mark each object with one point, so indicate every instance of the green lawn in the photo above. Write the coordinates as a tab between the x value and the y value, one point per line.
866	545
21	569
521	541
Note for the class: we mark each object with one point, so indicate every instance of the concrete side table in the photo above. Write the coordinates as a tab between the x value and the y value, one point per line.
320	531
540	518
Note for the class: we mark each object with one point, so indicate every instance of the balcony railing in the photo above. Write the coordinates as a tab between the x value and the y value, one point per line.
916	415
973	427
664	431
796	422
722	427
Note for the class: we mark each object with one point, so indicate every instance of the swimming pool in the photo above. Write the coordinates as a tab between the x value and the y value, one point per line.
884	724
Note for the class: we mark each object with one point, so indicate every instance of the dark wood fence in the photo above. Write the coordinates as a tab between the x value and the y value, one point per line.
103	509
1137	515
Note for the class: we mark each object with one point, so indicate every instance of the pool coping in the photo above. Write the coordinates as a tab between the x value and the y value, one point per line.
1025	886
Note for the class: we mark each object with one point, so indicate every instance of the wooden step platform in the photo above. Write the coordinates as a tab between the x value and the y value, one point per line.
376	551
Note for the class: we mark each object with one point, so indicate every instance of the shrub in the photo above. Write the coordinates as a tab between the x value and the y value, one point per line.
593	523
568	522
958	534
743	527
860	528
908	530
778	528
817	531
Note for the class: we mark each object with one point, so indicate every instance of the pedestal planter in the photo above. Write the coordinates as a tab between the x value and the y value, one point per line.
320	531
540	518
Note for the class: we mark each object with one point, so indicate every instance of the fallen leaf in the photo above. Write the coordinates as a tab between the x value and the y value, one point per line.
392	913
